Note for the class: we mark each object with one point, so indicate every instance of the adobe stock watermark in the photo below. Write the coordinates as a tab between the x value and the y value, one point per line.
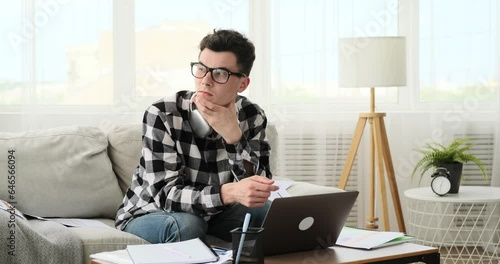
153	78
380	20
322	253
222	7
12	169
61	168
452	118
280	120
45	11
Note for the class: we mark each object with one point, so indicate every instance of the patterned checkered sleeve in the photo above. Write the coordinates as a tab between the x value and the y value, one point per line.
179	172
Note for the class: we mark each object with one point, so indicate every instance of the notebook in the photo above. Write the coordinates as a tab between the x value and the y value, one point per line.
188	251
306	222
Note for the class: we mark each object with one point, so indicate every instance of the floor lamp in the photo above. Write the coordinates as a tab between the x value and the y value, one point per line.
374	62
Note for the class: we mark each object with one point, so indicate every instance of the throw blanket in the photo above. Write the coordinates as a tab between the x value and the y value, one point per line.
37	241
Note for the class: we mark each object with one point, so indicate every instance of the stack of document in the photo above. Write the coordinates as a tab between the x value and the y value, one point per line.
370	239
189	251
123	257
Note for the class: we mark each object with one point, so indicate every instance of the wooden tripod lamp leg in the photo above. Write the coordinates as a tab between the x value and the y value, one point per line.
358	134
380	149
391	177
381	174
372	220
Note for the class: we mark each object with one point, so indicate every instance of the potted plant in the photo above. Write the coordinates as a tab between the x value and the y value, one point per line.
451	157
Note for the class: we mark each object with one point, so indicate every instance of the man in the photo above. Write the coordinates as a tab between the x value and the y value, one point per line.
188	185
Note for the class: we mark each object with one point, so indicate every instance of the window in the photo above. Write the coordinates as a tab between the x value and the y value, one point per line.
64	52
11	45
70	52
305	50
61	53
167	37
458	50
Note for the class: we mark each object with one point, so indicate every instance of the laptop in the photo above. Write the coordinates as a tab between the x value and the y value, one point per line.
306	222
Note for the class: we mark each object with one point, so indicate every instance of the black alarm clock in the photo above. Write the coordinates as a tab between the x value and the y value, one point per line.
441	183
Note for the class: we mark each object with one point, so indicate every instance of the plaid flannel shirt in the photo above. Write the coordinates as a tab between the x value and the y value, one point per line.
179	172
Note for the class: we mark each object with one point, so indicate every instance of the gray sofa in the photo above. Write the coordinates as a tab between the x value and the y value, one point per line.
83	172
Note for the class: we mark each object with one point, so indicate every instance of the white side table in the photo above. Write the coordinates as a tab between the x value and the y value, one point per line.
464	226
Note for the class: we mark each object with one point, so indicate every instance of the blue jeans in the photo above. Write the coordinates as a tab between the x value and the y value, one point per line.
164	227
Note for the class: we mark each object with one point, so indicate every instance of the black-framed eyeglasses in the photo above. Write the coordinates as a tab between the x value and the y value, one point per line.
219	75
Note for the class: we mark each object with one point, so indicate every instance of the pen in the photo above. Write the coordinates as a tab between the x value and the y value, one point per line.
177	252
219	251
235	177
246	222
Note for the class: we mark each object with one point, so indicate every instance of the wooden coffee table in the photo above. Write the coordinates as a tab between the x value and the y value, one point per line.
402	253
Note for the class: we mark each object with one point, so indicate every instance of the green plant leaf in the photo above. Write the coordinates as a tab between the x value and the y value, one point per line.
435	153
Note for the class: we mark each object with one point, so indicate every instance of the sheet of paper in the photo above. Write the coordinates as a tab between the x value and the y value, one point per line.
4	205
30	216
122	257
227	256
78	222
118	256
187	251
282	192
367	239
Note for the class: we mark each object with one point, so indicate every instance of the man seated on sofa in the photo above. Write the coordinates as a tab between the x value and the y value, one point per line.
188	185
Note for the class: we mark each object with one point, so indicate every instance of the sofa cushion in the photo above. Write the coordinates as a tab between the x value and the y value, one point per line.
272	137
95	239
61	172
124	150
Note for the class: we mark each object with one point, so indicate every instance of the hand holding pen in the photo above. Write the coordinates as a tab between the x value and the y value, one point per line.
253	191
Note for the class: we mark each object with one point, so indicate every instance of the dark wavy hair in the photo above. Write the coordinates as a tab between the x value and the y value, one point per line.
232	41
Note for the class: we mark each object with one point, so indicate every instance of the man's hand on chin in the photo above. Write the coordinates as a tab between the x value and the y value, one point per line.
222	118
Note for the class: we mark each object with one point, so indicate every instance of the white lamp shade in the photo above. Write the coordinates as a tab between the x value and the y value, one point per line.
372	62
